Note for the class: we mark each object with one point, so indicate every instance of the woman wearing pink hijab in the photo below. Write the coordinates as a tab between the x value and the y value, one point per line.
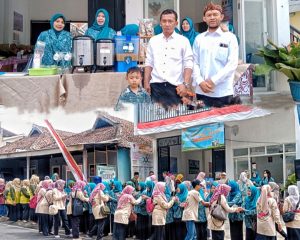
97	199
77	192
267	215
160	210
42	207
219	196
124	209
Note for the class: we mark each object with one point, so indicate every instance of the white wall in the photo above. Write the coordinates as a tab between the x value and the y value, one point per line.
21	7
134	11
76	10
2	18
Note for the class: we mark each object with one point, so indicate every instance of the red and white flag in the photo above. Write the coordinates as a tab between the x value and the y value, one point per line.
75	169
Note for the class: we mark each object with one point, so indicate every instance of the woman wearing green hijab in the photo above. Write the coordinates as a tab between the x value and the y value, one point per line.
187	30
56	40
100	28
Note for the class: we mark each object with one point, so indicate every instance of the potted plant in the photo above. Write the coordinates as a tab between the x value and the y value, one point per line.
284	59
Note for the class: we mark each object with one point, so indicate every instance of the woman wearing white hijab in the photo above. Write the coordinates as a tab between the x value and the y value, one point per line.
267	215
291	203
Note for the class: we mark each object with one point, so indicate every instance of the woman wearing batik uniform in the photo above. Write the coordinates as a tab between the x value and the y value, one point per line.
244	184
100	28
249	206
256	180
3	210
77	192
148	193
160	210
114	193
187	30
235	219
98	198
170	234
142	215
91	219
292	203
68	189
25	195
56	40
124	209
267	215
16	188
179	226
267	178
215	225
87	209
201	224
59	200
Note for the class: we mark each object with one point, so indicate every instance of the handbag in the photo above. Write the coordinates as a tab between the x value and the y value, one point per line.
290	215
77	206
104	208
132	217
53	209
218	212
33	202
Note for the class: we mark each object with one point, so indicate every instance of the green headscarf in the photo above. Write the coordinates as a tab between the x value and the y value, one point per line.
191	34
130	29
54	18
104	30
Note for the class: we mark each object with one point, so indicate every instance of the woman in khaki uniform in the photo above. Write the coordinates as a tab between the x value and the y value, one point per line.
216	226
267	215
292	203
59	200
42	207
160	210
97	199
77	192
122	214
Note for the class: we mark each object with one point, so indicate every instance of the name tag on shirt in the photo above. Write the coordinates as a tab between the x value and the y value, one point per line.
224	45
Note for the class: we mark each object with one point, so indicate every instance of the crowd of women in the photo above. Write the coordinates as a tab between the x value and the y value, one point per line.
173	209
57	39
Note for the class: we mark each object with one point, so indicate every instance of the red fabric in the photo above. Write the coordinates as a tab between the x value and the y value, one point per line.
33	202
192	117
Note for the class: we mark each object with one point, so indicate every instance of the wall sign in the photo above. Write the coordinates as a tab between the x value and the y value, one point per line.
203	137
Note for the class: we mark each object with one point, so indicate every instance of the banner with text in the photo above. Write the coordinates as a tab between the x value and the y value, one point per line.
203	137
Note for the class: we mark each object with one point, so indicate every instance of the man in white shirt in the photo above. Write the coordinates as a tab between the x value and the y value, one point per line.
215	61
169	63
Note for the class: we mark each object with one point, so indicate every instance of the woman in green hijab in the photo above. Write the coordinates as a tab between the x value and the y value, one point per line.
100	28
56	40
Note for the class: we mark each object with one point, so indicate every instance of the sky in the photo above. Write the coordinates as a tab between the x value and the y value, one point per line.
21	123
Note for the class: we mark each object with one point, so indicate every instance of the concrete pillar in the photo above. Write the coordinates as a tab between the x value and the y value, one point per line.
155	157
27	167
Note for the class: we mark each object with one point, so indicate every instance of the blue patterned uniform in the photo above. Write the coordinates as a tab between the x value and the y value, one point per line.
128	96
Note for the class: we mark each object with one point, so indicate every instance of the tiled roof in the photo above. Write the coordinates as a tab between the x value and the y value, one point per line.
121	130
34	142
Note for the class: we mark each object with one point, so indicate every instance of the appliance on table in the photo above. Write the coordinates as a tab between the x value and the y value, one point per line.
83	53
105	54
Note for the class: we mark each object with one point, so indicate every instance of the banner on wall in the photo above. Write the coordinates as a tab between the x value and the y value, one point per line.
141	159
203	137
106	172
